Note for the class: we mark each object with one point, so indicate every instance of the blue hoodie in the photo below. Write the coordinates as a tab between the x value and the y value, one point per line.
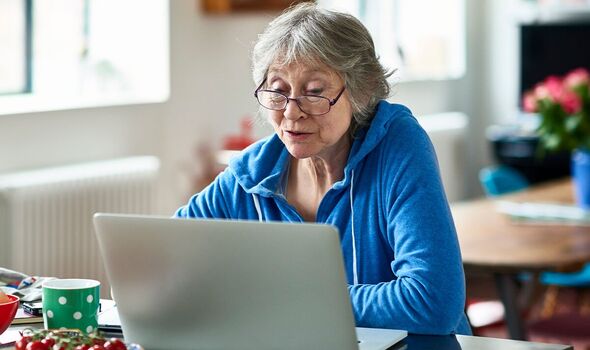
400	248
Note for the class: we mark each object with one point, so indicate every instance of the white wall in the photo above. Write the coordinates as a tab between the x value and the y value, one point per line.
53	138
211	90
502	64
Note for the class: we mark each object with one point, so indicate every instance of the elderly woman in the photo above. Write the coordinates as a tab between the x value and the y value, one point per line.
342	155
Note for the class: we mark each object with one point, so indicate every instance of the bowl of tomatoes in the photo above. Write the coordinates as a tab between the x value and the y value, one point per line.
69	339
8	308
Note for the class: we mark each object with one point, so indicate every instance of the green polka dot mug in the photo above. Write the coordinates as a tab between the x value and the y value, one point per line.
71	304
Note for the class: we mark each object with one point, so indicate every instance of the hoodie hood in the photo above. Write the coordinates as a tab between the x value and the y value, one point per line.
260	167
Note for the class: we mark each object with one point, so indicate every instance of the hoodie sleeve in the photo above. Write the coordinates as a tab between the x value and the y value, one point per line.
212	201
427	295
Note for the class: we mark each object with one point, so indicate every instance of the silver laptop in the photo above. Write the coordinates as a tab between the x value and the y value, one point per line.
220	284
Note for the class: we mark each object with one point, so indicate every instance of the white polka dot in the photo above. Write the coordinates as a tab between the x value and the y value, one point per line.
89	329
62	300
49	313
89	298
77	315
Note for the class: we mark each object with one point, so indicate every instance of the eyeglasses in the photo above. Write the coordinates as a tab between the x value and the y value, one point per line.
308	104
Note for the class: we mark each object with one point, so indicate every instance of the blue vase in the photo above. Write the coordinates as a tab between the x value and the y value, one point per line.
581	177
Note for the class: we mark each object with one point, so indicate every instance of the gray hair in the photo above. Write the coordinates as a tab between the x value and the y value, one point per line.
309	34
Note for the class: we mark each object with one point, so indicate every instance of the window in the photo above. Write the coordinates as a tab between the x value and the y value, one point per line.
85	53
422	44
14	46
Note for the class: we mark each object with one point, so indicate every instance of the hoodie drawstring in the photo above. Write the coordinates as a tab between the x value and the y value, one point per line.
257	206
354	260
355	277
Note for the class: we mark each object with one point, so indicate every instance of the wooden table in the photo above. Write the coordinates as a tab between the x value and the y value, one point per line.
491	242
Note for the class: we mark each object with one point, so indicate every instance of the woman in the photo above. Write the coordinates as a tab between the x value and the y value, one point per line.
342	155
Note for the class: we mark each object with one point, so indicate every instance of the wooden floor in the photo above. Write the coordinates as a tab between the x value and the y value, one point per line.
482	288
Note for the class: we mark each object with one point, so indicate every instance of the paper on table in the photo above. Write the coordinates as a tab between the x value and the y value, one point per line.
545	212
108	318
9	337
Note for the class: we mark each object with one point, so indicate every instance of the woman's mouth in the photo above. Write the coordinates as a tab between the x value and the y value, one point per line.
297	135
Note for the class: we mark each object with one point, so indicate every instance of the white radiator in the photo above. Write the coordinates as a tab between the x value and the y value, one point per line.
46	215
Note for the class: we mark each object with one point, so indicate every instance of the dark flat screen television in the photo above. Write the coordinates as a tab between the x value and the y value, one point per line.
552	49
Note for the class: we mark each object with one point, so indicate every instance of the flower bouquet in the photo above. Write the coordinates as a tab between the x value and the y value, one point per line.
563	106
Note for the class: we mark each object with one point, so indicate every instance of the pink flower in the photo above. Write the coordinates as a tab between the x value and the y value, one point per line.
555	87
570	102
541	92
529	102
576	77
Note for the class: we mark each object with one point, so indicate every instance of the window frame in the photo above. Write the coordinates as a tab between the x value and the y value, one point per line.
28	46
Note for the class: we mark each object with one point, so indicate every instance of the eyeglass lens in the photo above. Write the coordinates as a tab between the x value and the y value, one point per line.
308	104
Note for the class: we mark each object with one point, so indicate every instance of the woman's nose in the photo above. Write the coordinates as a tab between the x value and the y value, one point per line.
292	111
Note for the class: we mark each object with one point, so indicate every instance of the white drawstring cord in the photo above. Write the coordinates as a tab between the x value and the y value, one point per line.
257	206
354	262
355	277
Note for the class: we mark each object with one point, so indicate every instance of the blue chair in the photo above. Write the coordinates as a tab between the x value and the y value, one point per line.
501	179
577	279
498	180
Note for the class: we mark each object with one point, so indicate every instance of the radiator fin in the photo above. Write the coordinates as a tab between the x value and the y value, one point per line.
46	215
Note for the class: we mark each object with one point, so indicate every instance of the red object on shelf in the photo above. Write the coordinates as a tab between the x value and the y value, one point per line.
243	139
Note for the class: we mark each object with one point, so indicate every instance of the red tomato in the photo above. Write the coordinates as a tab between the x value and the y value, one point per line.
48	341
22	343
98	341
115	344
83	347
58	347
97	347
37	345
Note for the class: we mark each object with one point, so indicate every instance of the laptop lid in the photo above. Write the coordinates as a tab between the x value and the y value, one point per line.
220	284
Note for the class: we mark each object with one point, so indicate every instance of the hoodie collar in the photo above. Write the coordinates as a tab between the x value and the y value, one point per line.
260	168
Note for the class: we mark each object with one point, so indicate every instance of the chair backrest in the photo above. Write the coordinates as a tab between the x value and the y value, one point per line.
580	278
498	180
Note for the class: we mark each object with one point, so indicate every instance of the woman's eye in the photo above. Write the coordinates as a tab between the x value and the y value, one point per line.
276	89
314	91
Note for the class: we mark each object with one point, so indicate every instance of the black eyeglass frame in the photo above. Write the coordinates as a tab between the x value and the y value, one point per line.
296	99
